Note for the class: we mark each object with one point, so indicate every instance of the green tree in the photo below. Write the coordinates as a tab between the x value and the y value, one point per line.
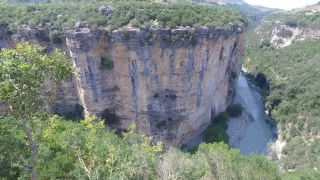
23	72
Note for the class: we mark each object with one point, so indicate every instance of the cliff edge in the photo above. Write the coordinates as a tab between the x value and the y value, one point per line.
170	83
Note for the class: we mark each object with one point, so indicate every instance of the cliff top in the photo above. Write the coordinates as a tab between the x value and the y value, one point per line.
74	15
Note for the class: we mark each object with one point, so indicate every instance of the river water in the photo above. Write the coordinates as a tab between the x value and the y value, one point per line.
258	132
250	132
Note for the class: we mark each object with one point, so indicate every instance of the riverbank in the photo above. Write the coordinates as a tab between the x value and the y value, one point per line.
268	119
249	132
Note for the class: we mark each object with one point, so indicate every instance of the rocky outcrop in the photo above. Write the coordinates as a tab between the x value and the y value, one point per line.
170	83
298	34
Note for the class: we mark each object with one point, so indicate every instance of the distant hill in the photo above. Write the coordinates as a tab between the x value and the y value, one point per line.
255	13
222	1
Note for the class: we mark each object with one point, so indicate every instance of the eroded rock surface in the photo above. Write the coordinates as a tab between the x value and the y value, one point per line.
171	83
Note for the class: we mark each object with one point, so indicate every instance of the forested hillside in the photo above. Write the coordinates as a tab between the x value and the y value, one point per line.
293	92
71	15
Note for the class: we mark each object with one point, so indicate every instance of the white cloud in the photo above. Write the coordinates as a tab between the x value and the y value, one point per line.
283	4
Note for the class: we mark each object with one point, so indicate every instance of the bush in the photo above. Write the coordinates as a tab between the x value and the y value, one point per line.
135	23
285	33
235	110
109	117
106	63
222	118
291	22
265	43
261	80
76	114
56	36
216	133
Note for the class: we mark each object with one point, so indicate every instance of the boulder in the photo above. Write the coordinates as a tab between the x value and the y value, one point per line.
105	10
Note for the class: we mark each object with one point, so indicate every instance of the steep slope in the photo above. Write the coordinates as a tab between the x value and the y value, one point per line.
255	13
292	92
283	28
170	82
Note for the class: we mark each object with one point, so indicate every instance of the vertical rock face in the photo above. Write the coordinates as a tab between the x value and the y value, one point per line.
170	83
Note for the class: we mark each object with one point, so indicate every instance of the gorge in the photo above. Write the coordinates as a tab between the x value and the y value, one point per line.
170	83
158	89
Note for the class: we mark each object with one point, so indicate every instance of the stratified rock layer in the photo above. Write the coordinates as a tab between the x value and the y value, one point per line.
170	83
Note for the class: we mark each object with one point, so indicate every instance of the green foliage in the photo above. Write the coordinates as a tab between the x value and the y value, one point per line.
265	43
301	19
235	110
175	38
106	63
215	161
63	15
301	175
291	22
217	132
76	114
56	36
69	150
261	80
222	119
12	140
23	72
22	76
285	33
293	97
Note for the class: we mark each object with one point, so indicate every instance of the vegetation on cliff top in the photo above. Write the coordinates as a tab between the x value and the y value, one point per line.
103	14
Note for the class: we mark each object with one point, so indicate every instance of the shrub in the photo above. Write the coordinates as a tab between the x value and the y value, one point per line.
76	114
109	117
222	118
125	32
135	23
265	43
235	110
78	111
285	33
56	36
261	80
175	38
193	40
291	22
216	133
106	63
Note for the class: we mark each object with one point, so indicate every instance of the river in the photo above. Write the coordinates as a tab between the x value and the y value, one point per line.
250	132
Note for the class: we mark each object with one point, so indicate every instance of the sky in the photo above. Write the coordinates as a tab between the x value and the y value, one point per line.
282	4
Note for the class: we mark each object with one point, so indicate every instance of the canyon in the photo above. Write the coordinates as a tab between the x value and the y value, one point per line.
170	83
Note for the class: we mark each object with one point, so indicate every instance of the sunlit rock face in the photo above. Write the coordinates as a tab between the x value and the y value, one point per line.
170	83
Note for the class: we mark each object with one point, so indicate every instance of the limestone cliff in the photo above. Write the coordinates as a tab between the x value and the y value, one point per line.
171	83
